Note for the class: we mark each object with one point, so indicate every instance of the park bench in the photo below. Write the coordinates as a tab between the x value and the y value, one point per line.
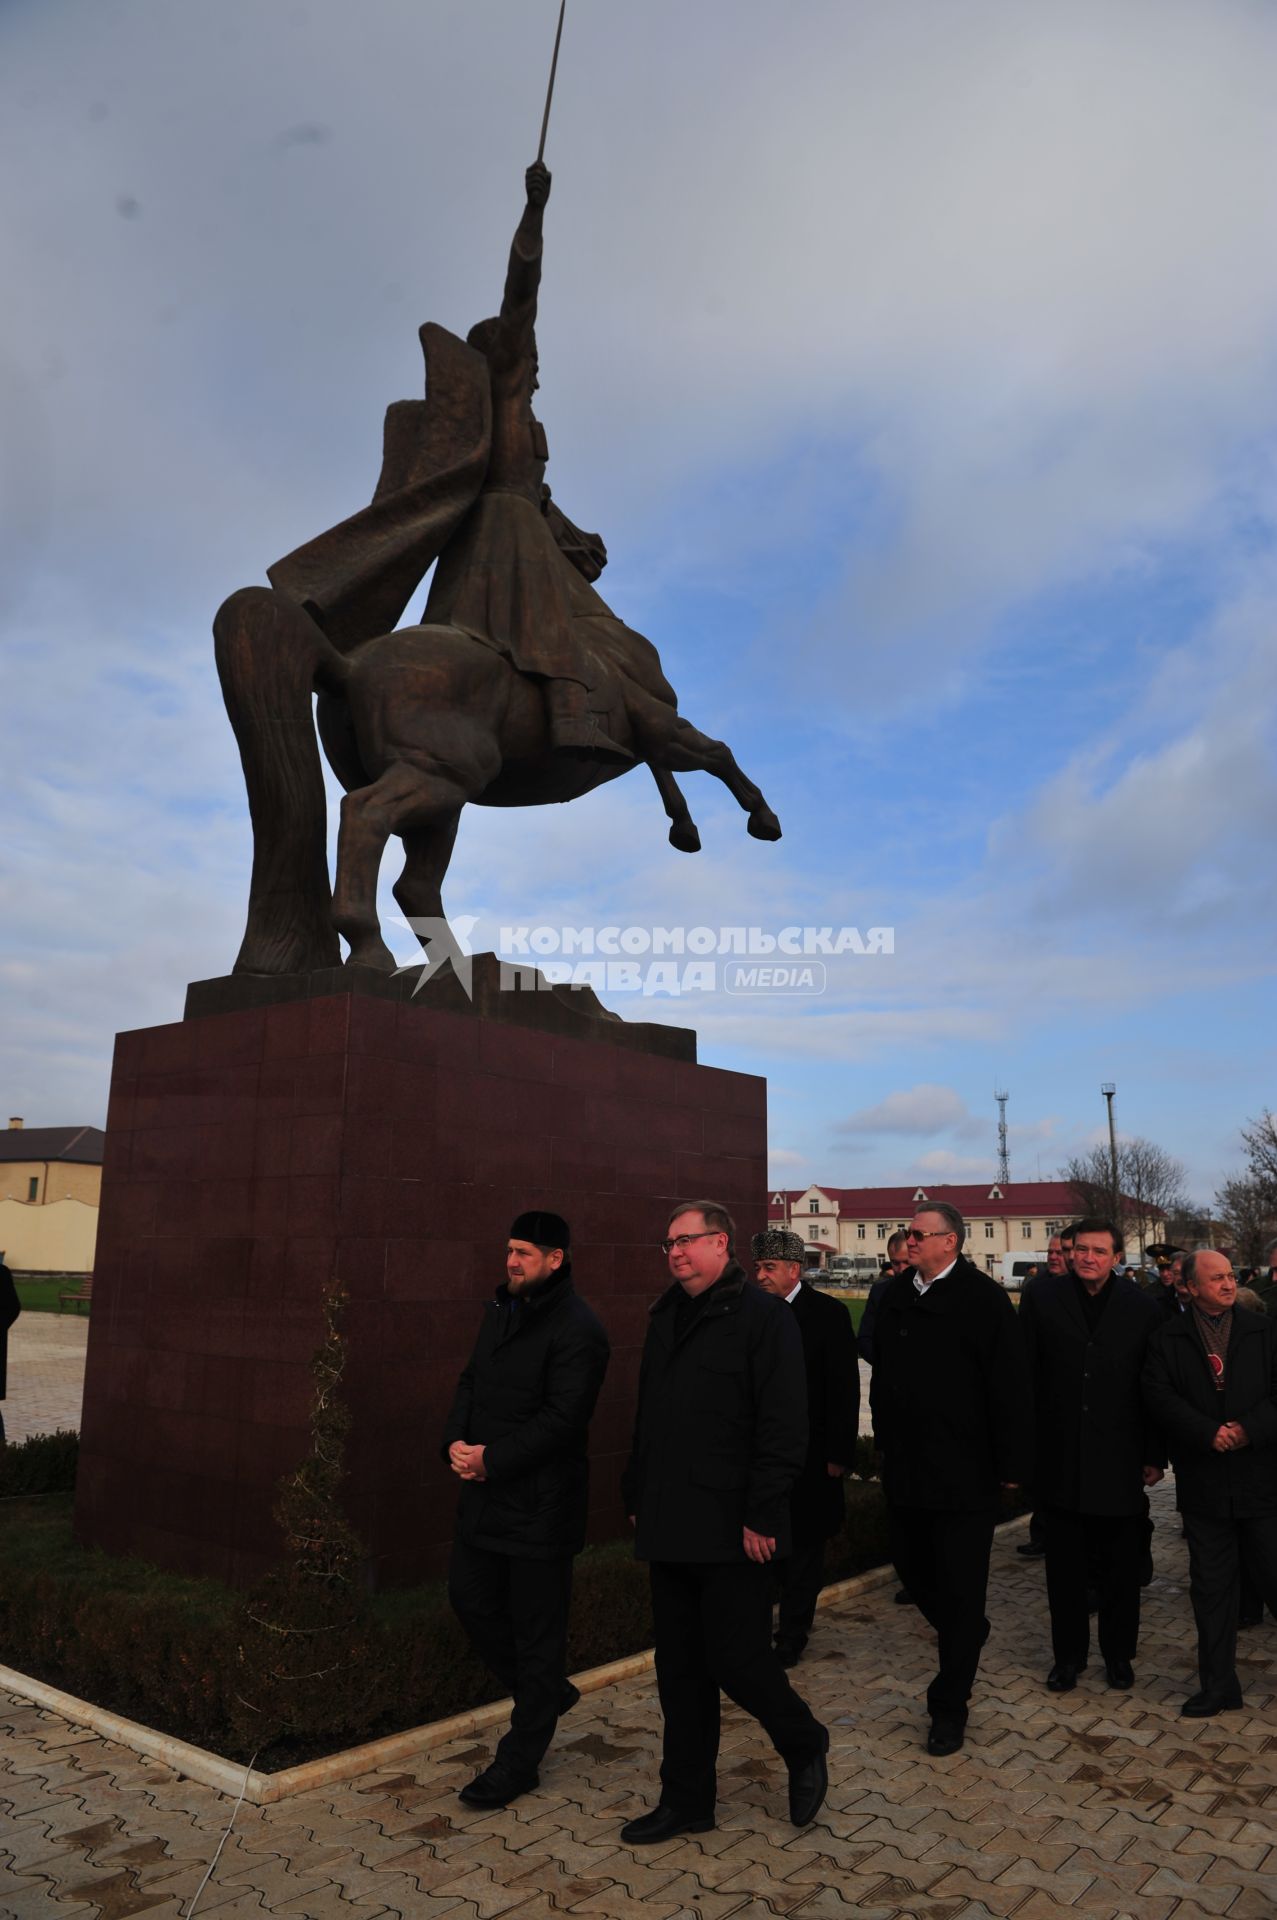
83	1292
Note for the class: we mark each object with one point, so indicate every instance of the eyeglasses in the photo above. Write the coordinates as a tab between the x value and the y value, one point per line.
932	1233
685	1239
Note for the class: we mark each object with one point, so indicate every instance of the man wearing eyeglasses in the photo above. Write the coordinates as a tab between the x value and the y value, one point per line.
953	1424
720	1435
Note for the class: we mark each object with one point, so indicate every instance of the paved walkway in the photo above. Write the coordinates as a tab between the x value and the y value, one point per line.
45	1374
1096	1803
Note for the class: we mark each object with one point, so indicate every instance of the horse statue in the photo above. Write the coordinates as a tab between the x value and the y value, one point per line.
520	687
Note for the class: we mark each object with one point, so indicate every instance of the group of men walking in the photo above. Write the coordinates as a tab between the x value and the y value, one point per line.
746	1422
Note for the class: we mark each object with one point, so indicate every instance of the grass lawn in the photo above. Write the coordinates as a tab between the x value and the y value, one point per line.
41	1296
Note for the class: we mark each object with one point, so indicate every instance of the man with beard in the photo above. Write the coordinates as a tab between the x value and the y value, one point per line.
516	1439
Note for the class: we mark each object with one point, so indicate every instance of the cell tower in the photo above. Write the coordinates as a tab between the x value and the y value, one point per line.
1004	1156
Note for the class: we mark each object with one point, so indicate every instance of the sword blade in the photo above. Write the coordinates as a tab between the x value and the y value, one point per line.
554	67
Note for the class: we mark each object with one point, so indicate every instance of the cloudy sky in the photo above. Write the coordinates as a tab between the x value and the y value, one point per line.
919	365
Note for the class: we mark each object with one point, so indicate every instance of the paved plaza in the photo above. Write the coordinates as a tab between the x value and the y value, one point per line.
46	1373
1095	1803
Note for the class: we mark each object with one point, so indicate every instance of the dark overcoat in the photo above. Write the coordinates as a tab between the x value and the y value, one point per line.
950	1392
816	1504
526	1396
868	1319
720	1427
1184	1403
1093	1437
9	1311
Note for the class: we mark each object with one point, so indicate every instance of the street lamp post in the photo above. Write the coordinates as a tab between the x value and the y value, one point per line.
1108	1089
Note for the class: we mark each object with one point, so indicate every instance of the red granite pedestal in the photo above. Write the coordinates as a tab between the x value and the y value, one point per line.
252	1154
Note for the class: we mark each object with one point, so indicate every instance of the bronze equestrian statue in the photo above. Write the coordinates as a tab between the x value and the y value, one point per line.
520	686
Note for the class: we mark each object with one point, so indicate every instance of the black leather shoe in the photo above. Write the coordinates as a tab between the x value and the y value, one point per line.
789	1652
496	1786
1251	1619
1119	1673
946	1735
1063	1676
1030	1550
808	1784
663	1823
568	1698
905	1599
1200	1706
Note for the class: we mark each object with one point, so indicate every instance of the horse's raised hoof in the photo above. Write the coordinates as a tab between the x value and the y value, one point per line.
763	824
684	836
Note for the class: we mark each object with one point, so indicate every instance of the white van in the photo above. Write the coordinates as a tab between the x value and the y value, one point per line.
853	1270
1013	1268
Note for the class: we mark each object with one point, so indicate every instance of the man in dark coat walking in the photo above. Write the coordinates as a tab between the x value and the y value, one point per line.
720	1435
816	1504
952	1422
1210	1384
9	1311
1087	1334
516	1438
898	1262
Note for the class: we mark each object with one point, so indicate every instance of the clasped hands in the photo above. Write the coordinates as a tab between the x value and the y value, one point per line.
1230	1436
466	1461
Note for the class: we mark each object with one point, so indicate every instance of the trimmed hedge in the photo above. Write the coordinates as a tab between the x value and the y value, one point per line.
169	1651
45	1463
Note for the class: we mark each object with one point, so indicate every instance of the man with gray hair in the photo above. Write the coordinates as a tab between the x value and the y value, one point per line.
1210	1384
953	1423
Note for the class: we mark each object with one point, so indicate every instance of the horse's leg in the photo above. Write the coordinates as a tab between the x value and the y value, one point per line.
403	796
427	851
687	750
683	834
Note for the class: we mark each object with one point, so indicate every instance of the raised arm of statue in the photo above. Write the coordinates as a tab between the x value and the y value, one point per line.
515	341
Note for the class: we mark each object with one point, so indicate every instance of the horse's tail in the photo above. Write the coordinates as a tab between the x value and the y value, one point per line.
270	658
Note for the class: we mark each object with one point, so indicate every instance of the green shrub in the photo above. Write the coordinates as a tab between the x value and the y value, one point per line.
45	1463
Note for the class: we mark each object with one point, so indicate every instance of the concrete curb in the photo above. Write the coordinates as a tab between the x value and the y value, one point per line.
264	1789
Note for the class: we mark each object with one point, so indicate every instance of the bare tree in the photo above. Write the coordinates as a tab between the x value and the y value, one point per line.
1151	1184
1259	1138
1089	1176
1246	1207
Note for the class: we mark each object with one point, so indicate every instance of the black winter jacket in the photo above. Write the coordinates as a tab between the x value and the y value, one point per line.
950	1393
1093	1438
1185	1404
526	1396
9	1311
720	1427
816	1504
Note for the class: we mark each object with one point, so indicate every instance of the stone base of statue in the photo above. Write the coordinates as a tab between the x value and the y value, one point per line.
257	1152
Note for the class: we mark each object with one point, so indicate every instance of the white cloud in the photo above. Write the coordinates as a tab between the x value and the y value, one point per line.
921	1109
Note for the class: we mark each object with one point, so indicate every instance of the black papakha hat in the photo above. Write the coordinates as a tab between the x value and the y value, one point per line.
545	1230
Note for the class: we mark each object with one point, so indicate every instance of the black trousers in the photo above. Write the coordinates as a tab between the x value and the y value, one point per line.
713	1631
1109	1549
516	1614
1215	1551
797	1588
943	1562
